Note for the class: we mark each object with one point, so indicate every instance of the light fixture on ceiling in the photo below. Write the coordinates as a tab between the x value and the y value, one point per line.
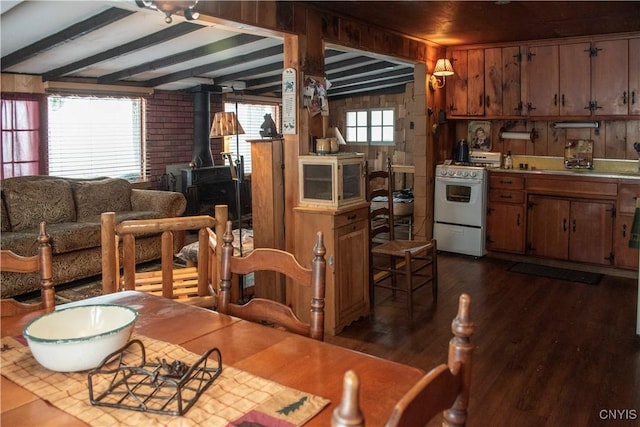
442	69
171	7
576	125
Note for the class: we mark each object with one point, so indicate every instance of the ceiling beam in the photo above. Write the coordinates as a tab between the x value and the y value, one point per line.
70	33
142	43
208	49
207	68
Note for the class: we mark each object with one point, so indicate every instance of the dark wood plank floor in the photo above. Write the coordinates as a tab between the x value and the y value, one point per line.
548	352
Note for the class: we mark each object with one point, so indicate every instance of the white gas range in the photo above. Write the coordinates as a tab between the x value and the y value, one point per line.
460	204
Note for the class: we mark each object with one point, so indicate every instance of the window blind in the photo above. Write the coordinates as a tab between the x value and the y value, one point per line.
91	137
251	117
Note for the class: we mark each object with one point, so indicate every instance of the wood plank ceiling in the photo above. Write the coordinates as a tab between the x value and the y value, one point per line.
109	42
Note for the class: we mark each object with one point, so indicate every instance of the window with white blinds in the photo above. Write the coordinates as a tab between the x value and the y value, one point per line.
91	137
250	117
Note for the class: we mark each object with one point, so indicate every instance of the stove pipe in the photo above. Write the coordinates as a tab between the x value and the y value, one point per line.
201	153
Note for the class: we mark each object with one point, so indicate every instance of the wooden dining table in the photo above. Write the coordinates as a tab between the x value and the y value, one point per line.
291	360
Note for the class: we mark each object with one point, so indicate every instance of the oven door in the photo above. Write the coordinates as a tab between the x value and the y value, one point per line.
460	201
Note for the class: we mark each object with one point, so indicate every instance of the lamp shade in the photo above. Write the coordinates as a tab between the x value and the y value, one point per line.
225	124
443	68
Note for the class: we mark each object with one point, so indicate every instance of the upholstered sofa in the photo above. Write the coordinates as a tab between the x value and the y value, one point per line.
71	209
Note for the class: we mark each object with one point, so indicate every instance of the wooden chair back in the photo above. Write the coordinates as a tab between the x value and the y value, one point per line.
444	389
192	285
379	184
40	263
268	311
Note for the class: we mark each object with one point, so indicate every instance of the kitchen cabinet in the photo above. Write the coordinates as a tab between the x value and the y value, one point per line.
542	65
570	229
346	238
610	77
506	213
575	79
487	82
626	257
634	76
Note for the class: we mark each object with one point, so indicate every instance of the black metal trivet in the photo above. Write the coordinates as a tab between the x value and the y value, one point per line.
126	380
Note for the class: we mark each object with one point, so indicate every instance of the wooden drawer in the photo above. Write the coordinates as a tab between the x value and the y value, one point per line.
501	180
351	217
506	196
627	195
570	186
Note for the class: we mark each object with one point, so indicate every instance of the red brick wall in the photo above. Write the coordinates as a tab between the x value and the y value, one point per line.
169	131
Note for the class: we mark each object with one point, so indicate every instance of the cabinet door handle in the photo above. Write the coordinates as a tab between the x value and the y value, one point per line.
624	97
555	100
564	224
488	103
480	100
352	217
562	100
574	225
633	97
624	230
518	220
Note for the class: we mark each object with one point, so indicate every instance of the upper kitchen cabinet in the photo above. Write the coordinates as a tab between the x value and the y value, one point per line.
542	71
634	76
487	82
609	77
567	78
575	79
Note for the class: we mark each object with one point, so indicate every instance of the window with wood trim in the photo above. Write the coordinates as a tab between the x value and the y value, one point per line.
374	126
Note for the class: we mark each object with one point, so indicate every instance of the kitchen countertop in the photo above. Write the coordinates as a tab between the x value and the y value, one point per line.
603	168
587	173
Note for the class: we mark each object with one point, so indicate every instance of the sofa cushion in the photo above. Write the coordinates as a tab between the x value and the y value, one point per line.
4	224
30	201
93	197
23	243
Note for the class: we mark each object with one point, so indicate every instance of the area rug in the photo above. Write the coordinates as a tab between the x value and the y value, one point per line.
556	273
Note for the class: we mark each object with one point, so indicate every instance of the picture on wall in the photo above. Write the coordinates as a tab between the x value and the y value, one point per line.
479	135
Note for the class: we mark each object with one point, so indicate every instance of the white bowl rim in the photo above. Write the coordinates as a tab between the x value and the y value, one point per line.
27	335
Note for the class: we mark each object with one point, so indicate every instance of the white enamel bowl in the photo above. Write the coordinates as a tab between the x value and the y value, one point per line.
79	338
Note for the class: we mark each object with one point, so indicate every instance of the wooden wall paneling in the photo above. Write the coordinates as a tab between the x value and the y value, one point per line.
615	133
633	136
540	146
555	141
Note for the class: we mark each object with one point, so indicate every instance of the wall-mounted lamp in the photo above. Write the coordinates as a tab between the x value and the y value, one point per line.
576	125
442	69
171	7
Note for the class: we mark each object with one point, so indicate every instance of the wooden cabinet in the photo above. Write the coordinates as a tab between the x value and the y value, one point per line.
542	81
506	213
346	237
575	79
574	230
571	79
487	82
610	77
634	76
626	257
267	200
